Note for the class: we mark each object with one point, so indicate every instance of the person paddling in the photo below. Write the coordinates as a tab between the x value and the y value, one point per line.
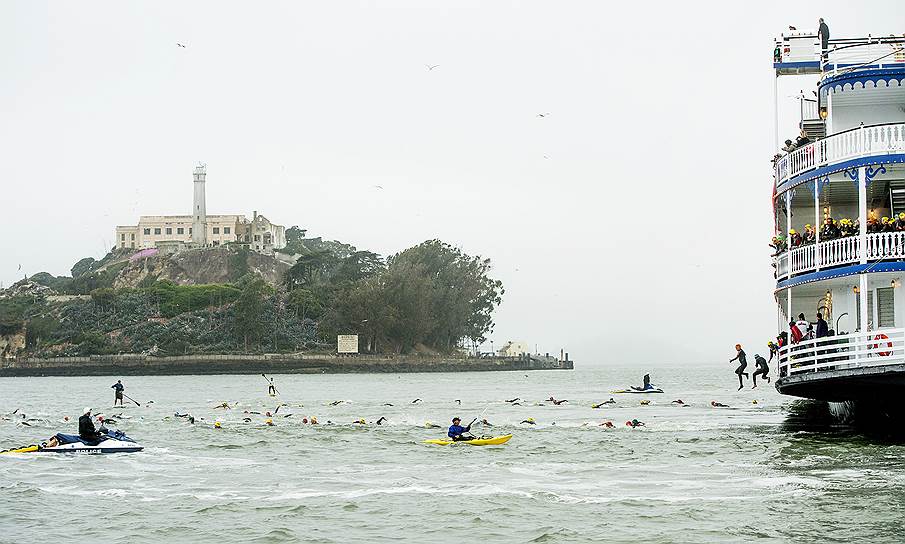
457	432
271	389
118	392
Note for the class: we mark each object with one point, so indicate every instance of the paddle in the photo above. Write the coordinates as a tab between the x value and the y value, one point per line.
269	381
130	398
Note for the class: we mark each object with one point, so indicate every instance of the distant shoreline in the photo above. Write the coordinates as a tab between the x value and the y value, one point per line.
134	365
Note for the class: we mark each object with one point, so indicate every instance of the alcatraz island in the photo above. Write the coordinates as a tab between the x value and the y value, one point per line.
211	294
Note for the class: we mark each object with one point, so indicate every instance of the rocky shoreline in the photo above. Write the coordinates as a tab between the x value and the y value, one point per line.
134	365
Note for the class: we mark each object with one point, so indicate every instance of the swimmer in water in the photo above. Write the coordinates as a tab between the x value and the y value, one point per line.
599	405
608	424
529	421
634	423
556	402
381	420
486	423
645	402
510	401
360	421
337	402
429	425
678	402
225	406
416	401
716	404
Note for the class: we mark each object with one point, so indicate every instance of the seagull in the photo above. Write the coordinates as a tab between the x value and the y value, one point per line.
180	45
379	187
542	114
431	66
792	27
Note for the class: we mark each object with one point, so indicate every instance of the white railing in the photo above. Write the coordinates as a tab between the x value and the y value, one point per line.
855	350
870	53
808	109
858	142
880	245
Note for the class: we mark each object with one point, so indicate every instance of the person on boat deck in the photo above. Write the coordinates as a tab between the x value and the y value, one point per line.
118	392
762	368
86	427
822	328
795	332
804	327
458	432
742	364
823	30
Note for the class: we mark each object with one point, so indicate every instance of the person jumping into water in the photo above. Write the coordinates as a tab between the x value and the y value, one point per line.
762	368
742	364
118	392
457	432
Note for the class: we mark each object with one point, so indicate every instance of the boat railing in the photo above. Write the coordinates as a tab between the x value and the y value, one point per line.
839	251
856	350
864	53
858	142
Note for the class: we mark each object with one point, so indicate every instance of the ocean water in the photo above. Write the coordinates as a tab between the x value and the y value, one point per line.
768	471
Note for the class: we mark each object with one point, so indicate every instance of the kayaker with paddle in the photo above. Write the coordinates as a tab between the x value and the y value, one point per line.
457	432
118	388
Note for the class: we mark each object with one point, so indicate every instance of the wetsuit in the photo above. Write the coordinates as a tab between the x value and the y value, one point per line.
742	365
271	389
762	368
87	432
457	433
118	388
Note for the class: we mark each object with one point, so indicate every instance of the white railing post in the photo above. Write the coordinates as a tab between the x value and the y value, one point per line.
817	258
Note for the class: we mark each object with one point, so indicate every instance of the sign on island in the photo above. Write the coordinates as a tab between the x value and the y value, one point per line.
347	343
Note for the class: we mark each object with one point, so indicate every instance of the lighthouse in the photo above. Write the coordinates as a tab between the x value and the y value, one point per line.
199	210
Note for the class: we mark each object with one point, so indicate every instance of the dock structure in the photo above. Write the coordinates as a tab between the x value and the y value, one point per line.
839	218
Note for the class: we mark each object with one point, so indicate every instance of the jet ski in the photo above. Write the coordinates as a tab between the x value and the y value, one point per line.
109	442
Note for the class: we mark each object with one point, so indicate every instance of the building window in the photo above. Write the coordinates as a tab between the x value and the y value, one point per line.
122	237
169	230
133	245
225	230
257	238
157	231
147	231
180	230
216	230
132	237
190	230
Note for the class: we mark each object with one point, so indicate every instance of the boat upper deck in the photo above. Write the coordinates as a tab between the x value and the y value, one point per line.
800	53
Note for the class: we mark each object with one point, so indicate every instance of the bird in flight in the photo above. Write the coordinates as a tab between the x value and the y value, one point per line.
542	114
431	66
379	187
180	45
792	27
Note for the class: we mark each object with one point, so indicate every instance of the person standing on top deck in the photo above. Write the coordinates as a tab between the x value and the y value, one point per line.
823	31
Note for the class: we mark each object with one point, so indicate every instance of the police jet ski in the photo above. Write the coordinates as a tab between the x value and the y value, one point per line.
107	442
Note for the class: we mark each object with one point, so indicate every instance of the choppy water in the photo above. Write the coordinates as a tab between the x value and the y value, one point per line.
692	474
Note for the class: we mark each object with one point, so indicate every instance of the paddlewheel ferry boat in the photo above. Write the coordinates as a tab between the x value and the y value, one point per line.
839	209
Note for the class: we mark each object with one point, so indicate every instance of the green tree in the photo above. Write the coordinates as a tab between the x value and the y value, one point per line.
82	267
249	311
310	269
358	266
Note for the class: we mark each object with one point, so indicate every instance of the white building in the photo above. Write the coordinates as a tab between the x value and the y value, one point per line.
513	349
200	229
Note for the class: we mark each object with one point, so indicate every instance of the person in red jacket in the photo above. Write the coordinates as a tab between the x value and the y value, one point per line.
795	332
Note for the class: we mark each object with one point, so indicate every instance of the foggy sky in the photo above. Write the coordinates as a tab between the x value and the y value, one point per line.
628	225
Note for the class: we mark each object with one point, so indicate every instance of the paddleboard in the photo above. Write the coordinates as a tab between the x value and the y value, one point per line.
492	441
655	390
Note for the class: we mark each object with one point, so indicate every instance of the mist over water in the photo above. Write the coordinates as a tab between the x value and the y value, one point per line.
778	470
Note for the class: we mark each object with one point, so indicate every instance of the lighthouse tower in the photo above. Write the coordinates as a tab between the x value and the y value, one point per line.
199	210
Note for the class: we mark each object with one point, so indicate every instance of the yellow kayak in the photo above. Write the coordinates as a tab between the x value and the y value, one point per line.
492	441
26	449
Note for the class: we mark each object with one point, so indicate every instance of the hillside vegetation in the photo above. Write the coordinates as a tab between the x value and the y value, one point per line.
431	297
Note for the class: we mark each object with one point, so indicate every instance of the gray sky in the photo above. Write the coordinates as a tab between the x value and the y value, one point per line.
629	225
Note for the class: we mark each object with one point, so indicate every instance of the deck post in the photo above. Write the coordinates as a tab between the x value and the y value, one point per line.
862	215
788	197
817	224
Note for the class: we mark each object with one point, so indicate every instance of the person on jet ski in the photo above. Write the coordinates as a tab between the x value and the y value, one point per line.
457	432
87	431
646	385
